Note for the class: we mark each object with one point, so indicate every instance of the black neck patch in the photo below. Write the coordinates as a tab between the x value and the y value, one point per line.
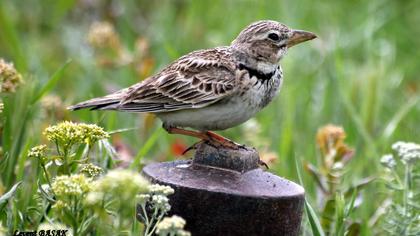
253	72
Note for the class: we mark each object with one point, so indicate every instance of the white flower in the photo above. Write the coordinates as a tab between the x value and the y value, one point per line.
161	202
408	152
173	225
94	198
71	186
160	189
388	161
142	198
122	185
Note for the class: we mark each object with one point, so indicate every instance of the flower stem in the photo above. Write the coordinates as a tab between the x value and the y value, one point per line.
47	176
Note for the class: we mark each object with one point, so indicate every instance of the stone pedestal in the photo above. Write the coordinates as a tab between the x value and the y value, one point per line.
224	192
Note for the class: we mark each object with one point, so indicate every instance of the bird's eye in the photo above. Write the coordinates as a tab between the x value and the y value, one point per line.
273	36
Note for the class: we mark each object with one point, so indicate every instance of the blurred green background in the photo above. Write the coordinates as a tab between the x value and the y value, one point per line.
362	73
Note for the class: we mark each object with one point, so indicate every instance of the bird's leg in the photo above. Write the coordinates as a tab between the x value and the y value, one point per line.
224	141
191	133
210	137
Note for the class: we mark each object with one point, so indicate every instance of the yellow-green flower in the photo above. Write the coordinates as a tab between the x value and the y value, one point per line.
66	186
10	79
60	205
38	152
121	185
90	170
69	133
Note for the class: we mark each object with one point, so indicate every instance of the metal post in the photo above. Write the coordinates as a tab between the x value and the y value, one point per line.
223	192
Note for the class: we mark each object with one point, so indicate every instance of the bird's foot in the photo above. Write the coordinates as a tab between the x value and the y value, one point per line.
219	141
262	163
193	147
209	137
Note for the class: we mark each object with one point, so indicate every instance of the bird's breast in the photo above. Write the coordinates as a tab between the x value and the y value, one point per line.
260	91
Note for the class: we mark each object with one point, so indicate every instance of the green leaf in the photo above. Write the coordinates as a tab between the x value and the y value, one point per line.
349	208
45	194
327	215
313	220
317	176
339	214
122	130
10	37
146	147
358	186
86	224
399	116
58	74
5	197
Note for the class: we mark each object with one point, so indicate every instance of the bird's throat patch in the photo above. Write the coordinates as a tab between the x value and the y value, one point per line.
258	74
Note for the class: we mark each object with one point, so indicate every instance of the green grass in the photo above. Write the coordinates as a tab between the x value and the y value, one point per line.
362	73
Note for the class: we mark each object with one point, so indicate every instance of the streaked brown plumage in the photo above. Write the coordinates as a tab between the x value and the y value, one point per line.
212	89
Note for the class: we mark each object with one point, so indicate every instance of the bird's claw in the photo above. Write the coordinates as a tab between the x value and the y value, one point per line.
192	147
262	163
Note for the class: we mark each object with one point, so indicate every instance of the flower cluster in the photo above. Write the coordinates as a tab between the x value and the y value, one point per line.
408	152
124	184
330	140
70	133
90	170
10	79
51	102
103	35
38	152
156	198
69	188
173	225
53	106
160	189
388	161
61	205
401	216
73	185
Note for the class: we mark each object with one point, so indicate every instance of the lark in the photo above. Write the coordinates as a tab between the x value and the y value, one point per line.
212	89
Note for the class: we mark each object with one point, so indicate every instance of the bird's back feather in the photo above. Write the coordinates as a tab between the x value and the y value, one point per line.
193	81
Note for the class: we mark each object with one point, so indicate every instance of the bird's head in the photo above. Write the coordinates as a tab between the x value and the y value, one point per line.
268	40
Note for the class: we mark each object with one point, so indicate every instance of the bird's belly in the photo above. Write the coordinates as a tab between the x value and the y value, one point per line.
219	116
226	113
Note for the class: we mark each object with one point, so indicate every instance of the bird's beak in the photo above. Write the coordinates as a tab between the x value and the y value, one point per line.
299	36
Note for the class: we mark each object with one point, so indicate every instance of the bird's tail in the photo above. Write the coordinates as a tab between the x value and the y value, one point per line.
109	102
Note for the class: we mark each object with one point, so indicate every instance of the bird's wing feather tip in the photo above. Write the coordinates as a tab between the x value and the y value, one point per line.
72	108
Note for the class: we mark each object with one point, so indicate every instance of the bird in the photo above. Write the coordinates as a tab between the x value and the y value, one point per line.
212	89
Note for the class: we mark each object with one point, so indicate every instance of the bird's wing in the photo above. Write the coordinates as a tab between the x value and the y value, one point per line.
195	80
